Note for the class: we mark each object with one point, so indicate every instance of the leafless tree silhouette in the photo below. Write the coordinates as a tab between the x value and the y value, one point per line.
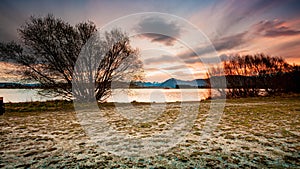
50	47
247	74
107	61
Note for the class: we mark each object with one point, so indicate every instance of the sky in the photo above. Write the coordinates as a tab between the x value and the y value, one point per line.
178	50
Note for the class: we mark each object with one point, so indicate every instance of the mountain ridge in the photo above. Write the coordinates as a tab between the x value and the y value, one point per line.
176	83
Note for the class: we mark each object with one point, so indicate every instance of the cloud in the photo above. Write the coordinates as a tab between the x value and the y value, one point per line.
226	43
159	30
196	55
151	69
292	44
224	57
230	42
289	50
11	18
236	12
166	40
161	59
176	67
262	29
282	32
273	28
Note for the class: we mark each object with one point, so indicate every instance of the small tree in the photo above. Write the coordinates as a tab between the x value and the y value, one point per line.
246	75
50	47
254	72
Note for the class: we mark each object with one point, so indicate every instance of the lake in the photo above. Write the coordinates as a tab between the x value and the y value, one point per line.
23	95
118	95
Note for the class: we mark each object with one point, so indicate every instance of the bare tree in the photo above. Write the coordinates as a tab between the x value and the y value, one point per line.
216	80
246	75
107	61
50	47
258	72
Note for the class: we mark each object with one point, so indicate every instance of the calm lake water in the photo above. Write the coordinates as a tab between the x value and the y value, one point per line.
118	95
22	95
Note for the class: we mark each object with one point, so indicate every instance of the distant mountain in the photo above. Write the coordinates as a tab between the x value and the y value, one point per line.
18	85
147	84
202	82
174	83
170	83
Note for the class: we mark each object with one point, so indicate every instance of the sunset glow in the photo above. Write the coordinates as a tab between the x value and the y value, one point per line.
233	27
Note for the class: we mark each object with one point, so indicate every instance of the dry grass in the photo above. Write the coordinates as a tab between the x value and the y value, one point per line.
253	133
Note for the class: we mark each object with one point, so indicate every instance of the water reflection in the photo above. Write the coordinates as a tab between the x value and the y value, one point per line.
118	95
158	95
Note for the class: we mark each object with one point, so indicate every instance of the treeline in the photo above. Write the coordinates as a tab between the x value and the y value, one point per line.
248	75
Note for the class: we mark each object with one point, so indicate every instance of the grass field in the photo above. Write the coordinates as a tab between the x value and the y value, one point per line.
252	133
